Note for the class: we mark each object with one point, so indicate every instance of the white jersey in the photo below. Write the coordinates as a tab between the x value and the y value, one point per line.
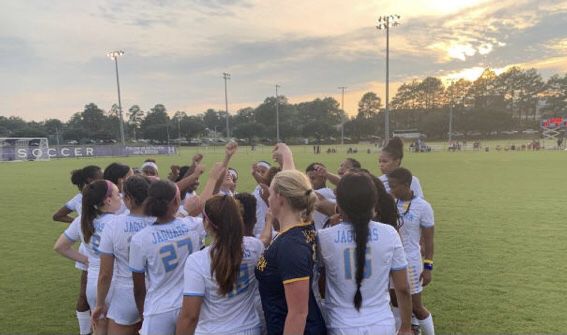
76	203
261	211
74	233
415	185
414	214
196	224
384	253
319	218
160	250
234	312
115	240
181	211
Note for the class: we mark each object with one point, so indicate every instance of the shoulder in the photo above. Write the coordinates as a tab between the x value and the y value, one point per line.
330	231
252	241
141	235
382	228
326	192
422	203
200	257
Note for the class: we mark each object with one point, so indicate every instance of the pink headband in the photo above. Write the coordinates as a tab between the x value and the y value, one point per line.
109	185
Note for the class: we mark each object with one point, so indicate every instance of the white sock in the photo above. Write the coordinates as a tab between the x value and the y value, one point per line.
397	318
84	319
414	320
427	325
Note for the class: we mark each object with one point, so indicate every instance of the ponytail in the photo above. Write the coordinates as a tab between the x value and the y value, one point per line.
93	198
356	198
360	225
223	216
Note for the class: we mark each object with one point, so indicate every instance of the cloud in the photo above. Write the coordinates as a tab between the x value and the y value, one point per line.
177	50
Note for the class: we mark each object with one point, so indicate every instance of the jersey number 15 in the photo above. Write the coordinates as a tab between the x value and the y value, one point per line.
350	258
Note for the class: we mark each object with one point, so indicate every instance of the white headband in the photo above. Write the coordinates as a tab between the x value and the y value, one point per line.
150	164
263	164
233	173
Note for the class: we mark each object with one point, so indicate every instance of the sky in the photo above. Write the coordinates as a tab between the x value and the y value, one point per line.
53	54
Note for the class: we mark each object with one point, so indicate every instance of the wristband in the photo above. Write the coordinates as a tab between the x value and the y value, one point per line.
427	261
428	266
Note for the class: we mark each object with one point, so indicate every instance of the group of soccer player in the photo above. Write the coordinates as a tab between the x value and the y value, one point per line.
292	257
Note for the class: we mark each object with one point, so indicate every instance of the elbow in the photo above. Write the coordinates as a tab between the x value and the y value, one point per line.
58	248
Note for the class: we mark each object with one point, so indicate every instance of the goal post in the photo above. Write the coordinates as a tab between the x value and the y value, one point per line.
24	148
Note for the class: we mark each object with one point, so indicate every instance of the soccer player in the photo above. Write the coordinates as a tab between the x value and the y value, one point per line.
263	173
359	255
318	179
114	247
416	222
160	251
150	169
101	199
390	159
80	178
220	287
285	270
118	173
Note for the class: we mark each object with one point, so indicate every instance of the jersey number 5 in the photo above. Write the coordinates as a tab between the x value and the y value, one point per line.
350	258
169	253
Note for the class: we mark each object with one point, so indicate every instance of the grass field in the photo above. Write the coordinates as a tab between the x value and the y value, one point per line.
500	243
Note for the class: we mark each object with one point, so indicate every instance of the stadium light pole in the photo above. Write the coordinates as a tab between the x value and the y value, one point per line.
114	56
385	23
451	115
342	88
277	115
226	76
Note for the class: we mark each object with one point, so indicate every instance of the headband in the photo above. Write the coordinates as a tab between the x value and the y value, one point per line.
264	164
233	173
150	164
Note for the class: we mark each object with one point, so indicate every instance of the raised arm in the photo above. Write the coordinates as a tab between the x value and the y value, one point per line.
283	155
217	173
184	183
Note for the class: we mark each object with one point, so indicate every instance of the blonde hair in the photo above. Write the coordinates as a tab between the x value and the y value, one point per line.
296	188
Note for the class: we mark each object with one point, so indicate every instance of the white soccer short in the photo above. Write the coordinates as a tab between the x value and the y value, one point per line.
415	268
122	309
160	324
368	330
92	283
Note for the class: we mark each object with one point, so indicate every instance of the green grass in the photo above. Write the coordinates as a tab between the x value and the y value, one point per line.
499	246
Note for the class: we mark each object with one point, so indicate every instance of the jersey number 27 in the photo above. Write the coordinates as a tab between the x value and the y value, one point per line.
169	253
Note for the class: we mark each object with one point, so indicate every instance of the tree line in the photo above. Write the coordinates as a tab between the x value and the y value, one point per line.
514	99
